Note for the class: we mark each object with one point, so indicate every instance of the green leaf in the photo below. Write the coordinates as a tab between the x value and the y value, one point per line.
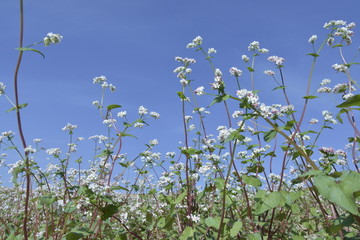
219	146
47	199
219	99
353	101
213	222
181	95
255	236
250	69
309	97
118	188
337	45
340	191
108	211
78	233
112	106
188	232
255	169
20	107
281	87
236	228
191	151
344	110
126	135
70	207
180	197
251	180
31	49
313	54
270	201
234	135
268	136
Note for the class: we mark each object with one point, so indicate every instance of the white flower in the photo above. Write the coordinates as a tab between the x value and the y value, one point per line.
313	121
249	95
347	96
211	50
52	38
188	118
99	79
325	82
121	114
254	46
277	60
328	117
155	115
235	71
224	133
263	50
104	85
100	138
142	110
330	41
185	61
245	58
170	155
218	72
37	140
334	23
184	82
8	134
69	127
96	103
195	42
199	91
237	114
109	122
112	88
339	67
2	88
138	125
193	218
269	72
351	25
53	151
312	39
29	149
154	142
324	90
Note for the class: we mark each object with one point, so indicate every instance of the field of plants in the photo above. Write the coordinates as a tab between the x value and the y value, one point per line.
220	184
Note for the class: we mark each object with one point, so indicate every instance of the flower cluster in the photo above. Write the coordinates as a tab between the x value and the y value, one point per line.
275	110
196	42
250	96
52	38
218	83
255	46
340	67
328	117
277	60
340	29
69	127
312	39
199	91
102	80
235	72
2	88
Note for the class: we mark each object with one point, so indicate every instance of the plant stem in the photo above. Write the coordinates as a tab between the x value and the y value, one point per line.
18	118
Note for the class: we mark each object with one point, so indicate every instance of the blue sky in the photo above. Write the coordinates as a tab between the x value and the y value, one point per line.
133	43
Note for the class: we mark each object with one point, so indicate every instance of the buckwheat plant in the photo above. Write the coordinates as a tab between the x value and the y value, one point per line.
262	173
